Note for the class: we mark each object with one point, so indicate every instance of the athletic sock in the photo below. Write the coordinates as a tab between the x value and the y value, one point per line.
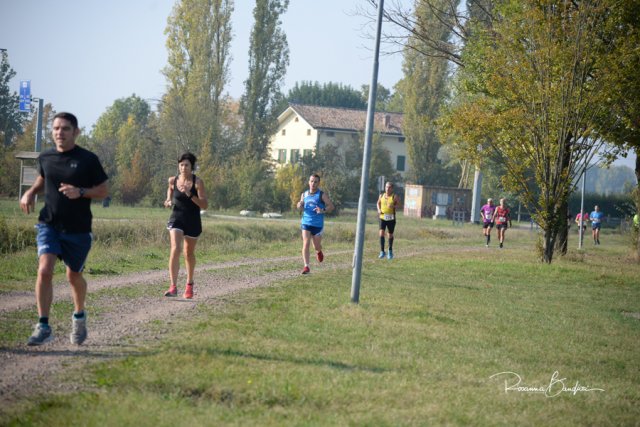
382	244
390	243
44	320
79	315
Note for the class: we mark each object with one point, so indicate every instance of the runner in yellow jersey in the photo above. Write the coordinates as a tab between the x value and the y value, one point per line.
387	205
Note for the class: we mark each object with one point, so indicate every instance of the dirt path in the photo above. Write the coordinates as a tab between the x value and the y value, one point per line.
125	327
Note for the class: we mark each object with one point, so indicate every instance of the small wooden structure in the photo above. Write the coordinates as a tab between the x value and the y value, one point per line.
28	170
437	202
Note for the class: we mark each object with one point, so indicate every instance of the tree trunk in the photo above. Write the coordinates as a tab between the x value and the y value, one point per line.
548	246
637	200
562	240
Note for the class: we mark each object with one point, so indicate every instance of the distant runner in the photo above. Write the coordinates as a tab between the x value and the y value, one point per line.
486	212
388	203
596	222
502	218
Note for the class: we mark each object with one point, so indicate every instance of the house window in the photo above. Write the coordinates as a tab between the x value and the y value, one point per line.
400	163
284	132
308	132
307	153
401	139
331	133
296	120
295	156
282	156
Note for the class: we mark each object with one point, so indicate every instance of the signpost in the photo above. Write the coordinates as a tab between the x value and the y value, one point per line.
25	95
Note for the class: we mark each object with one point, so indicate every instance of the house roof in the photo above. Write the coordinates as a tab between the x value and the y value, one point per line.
348	119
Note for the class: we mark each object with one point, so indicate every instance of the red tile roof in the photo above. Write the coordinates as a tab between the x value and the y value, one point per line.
348	119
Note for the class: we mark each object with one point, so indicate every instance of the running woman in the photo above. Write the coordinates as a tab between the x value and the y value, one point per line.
486	212
501	217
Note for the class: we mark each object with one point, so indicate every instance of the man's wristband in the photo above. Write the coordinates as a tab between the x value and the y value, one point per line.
81	191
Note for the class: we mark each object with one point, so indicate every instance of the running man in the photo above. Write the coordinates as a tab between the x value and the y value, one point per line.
388	203
70	176
596	221
486	212
501	217
314	203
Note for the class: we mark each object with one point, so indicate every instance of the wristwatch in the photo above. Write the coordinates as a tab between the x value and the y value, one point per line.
81	191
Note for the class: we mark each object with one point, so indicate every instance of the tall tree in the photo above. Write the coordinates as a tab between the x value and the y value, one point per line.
268	61
105	135
531	101
198	42
425	90
11	120
619	70
326	95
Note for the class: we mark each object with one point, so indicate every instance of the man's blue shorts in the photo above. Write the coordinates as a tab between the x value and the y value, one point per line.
71	248
315	231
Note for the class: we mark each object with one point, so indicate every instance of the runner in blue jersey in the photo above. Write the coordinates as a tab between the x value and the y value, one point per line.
314	203
596	222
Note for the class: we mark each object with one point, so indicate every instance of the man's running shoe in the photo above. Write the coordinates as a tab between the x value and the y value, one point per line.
390	254
306	270
188	291
320	256
172	292
42	334
382	254
78	329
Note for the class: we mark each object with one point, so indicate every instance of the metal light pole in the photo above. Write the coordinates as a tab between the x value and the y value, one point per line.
584	179
366	160
38	145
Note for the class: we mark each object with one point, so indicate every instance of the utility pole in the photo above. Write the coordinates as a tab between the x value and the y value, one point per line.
38	145
366	160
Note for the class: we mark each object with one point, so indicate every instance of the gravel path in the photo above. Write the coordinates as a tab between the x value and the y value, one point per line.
125	326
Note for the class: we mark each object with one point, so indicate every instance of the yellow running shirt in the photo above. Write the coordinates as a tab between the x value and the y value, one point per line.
387	208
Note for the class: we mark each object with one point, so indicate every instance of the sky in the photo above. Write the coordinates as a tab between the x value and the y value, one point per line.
82	55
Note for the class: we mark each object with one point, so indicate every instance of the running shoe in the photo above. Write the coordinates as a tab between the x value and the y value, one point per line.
500	244
42	334
188	291
78	329
320	256
390	254
382	254
172	292
306	270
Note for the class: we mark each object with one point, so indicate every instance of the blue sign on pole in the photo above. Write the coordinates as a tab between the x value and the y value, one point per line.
25	95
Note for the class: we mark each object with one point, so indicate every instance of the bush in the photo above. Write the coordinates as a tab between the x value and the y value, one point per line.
15	237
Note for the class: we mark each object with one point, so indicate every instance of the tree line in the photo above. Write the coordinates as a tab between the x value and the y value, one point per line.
526	92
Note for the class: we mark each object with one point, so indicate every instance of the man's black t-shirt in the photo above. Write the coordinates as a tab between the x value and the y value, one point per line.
78	167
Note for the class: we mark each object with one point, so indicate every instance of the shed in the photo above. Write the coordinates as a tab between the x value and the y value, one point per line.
435	202
28	170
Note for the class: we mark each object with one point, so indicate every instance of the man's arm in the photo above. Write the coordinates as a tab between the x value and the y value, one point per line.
100	191
28	199
327	203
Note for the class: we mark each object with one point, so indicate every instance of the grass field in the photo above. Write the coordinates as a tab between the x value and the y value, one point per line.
422	347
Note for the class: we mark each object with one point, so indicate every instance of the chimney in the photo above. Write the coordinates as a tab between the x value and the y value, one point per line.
387	121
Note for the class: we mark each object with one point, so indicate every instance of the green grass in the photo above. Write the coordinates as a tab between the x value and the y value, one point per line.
419	349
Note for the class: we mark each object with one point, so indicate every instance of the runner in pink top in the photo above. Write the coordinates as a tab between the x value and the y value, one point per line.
486	212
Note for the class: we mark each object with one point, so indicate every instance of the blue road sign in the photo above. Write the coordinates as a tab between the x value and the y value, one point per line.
25	95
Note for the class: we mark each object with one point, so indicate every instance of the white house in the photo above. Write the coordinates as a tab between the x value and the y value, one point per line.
303	129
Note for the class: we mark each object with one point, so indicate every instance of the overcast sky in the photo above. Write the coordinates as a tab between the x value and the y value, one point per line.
82	55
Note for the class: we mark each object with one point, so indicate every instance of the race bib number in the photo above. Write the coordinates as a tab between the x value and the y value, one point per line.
502	219
389	217
596	220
